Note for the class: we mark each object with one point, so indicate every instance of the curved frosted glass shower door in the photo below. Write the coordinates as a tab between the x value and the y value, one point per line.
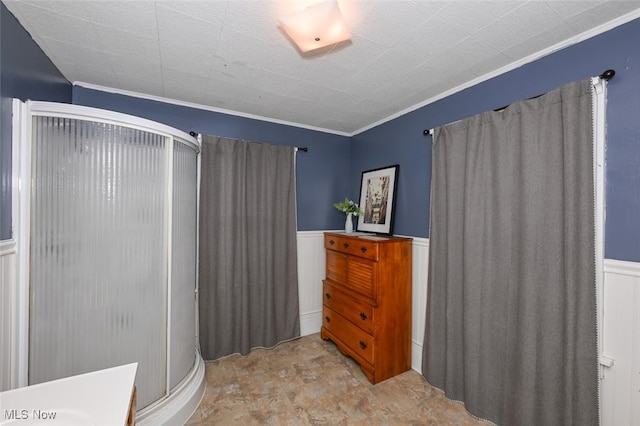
98	250
113	246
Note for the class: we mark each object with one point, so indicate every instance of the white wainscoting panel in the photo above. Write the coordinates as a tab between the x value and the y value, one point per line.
620	384
7	283
420	275
311	265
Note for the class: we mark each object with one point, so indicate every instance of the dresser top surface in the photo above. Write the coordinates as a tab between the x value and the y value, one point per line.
368	236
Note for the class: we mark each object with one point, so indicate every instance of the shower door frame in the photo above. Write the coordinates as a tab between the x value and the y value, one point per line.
23	113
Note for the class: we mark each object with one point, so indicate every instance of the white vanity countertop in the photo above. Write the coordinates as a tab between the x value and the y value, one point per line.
92	399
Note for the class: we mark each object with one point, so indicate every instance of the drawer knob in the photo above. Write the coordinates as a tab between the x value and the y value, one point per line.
327	319
331	242
363	345
327	295
363	316
363	249
346	245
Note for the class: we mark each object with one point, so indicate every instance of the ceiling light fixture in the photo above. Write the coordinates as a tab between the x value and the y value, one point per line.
316	26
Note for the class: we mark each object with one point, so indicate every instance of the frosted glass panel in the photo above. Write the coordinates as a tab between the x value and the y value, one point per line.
183	262
98	252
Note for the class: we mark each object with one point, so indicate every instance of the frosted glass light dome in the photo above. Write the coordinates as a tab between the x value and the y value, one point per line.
316	26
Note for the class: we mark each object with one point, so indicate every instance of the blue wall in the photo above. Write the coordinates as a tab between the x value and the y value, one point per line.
25	73
402	141
321	179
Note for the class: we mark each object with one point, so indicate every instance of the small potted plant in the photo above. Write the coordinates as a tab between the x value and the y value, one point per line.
349	208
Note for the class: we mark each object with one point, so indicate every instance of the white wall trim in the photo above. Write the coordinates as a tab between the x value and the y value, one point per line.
420	241
205	107
312	234
622	267
7	247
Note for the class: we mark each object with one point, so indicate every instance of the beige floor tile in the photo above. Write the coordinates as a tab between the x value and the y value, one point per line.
308	381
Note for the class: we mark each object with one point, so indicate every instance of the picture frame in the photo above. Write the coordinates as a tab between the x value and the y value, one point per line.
377	199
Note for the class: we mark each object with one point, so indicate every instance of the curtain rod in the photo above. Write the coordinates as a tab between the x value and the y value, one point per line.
607	75
304	148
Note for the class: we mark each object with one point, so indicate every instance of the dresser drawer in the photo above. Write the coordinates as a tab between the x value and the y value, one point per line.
361	276
352	245
354	273
358	312
336	265
355	338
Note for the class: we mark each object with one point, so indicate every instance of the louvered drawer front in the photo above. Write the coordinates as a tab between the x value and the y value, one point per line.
336	266
357	339
358	312
360	275
360	247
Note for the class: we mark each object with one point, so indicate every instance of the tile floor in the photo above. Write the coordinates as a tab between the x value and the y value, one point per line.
307	381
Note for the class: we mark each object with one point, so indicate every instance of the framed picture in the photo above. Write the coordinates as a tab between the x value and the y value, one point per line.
377	199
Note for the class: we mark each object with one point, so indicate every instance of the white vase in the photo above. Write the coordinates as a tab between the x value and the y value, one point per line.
348	224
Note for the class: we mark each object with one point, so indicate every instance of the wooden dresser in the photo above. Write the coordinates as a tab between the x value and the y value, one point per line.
367	301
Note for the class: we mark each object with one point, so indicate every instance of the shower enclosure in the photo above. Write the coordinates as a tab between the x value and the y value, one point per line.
108	242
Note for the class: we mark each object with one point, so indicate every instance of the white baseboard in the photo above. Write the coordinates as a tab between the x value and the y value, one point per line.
310	323
416	356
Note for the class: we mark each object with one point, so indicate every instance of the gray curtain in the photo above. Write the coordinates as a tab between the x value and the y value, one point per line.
248	279
511	325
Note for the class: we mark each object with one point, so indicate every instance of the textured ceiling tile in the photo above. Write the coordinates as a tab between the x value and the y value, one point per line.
239	47
101	75
468	52
118	42
135	17
538	42
421	76
433	38
387	22
604	12
531	18
176	29
173	57
211	11
71	9
231	54
523	23
55	26
356	55
390	93
182	85
72	56
566	9
283	60
133	68
141	84
475	15
258	19
388	65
